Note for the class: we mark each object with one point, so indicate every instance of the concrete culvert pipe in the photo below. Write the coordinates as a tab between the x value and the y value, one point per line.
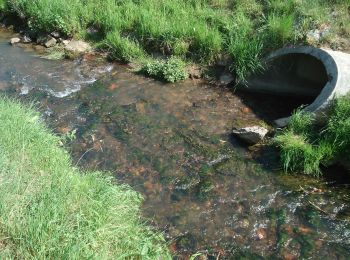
305	71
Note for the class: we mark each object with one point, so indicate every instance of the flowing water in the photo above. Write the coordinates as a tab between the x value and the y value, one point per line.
172	143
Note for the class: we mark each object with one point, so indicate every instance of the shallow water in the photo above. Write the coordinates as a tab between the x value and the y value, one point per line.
172	142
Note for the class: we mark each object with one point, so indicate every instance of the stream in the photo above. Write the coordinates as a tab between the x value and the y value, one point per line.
203	188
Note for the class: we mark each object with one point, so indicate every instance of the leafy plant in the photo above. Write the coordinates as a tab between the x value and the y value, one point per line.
171	70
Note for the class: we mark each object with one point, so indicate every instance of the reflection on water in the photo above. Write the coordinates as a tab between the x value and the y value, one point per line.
172	143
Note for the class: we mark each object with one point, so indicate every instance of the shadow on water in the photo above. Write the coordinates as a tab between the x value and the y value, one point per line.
173	144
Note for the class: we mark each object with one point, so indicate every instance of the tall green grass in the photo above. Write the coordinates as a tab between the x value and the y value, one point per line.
306	146
51	210
195	30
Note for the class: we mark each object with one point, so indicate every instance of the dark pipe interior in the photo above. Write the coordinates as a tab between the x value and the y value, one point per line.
288	82
291	75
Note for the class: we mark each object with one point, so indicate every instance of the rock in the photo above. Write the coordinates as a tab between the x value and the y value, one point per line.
26	39
15	40
77	46
55	35
226	78
50	42
317	35
313	37
252	134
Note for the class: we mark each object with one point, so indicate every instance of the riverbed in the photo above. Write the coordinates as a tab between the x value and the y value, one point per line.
203	188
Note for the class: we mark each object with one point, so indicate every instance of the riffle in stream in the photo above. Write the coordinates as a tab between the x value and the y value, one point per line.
172	143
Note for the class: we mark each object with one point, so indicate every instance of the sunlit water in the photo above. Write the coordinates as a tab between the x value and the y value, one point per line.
172	142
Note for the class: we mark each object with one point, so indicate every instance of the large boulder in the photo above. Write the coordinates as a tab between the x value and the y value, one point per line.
252	134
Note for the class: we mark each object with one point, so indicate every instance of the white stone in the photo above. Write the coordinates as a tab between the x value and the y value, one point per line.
251	134
15	40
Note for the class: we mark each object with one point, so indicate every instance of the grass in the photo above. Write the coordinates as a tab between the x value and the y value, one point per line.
198	31
306	146
51	210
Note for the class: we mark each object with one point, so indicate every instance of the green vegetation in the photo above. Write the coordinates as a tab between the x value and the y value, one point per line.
203	31
49	209
171	70
306	146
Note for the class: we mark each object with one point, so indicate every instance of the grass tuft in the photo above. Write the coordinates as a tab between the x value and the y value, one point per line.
123	49
306	146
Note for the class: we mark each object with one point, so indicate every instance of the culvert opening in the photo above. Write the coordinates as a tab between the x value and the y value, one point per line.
288	82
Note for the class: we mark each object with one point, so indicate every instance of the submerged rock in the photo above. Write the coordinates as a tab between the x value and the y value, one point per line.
77	46
15	40
252	134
